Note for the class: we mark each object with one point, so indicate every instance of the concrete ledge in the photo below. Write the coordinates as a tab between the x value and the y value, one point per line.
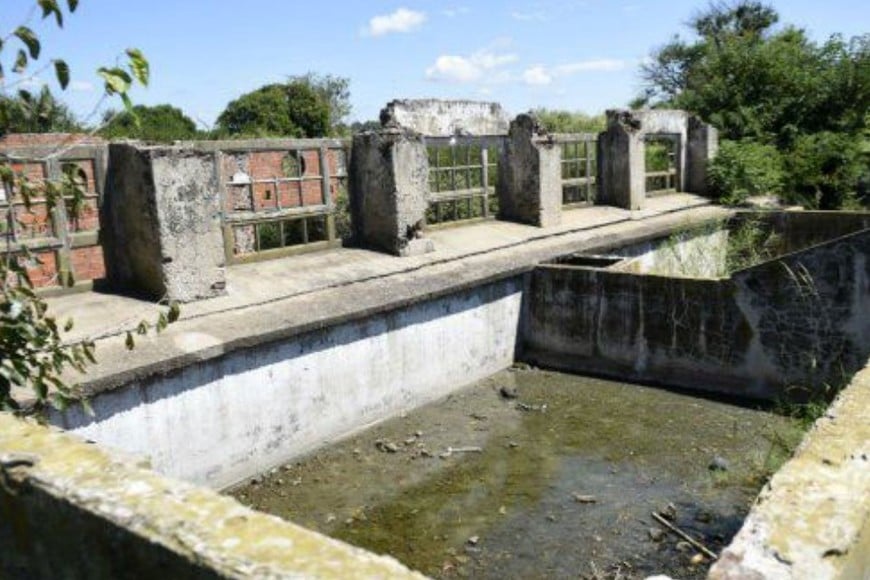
72	510
813	518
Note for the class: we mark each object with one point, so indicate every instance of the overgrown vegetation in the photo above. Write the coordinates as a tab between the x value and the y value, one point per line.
561	121
771	88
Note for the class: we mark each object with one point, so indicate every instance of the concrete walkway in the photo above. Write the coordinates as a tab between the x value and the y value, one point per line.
270	300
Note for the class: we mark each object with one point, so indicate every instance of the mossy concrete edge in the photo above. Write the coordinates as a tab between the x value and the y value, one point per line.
813	518
137	518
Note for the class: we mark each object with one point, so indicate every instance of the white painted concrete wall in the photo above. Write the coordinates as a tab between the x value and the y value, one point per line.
218	422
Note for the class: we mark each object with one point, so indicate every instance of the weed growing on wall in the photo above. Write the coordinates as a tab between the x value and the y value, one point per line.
752	242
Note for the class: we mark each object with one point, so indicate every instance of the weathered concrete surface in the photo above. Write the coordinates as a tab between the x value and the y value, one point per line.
219	422
444	118
799	322
389	185
73	510
162	221
813	518
530	175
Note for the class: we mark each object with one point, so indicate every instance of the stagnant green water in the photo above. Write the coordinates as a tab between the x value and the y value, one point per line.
557	482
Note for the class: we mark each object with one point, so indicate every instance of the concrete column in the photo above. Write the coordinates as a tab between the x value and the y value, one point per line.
162	215
702	147
530	175
389	190
621	164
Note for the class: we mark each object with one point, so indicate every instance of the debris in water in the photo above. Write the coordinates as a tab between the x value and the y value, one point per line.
451	450
581	498
473	540
669	512
508	392
718	463
386	446
656	534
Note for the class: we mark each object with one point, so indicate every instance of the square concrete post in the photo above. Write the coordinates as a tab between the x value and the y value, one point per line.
621	163
389	191
162	213
530	175
702	147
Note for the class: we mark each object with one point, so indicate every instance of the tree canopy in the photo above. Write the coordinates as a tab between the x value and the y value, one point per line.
770	84
25	112
305	106
161	123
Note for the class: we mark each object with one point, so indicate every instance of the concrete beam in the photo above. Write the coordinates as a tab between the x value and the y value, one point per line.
162	219
530	175
389	190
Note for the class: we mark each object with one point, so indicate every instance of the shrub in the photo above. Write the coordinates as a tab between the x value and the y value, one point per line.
742	169
824	169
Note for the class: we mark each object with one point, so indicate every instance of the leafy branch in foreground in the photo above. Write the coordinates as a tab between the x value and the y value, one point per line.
33	356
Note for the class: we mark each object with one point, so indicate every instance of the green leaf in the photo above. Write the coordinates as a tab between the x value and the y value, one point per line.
20	62
174	312
50	7
73	4
61	71
139	66
142	328
116	80
128	106
68	325
129	342
29	39
162	322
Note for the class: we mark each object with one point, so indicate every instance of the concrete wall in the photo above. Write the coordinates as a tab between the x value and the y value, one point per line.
73	510
217	422
436	117
797	321
621	153
163	222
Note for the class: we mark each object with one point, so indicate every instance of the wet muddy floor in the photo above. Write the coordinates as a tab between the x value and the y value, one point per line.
535	474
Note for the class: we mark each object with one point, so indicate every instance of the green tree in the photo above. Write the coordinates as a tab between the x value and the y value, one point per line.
292	109
162	123
25	112
335	91
770	85
32	353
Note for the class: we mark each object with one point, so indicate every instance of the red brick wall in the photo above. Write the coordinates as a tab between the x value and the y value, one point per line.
87	262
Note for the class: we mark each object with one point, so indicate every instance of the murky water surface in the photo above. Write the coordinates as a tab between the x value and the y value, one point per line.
558	482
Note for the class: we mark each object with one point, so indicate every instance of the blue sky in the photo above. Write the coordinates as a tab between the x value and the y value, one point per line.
572	54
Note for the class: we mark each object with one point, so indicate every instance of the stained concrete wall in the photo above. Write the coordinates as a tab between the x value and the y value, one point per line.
436	117
797	321
217	422
162	220
529	184
73	510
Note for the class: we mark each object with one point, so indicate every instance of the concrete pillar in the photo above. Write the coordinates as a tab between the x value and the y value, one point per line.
389	190
530	176
702	147
621	163
162	215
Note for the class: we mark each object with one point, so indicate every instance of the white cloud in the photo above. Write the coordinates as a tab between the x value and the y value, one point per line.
402	20
537	75
601	64
453	12
465	69
528	16
541	75
81	86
